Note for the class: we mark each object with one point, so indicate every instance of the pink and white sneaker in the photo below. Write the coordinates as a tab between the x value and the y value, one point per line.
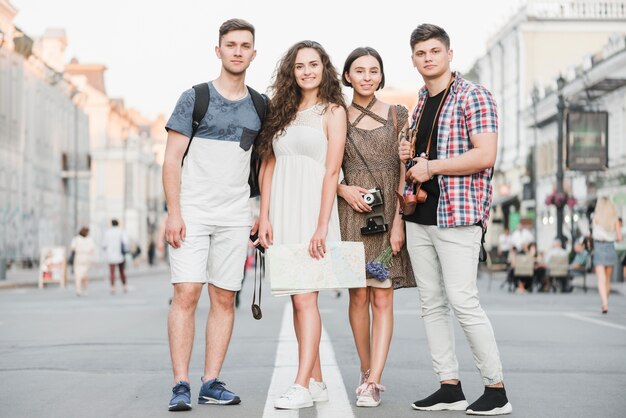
363	376
369	395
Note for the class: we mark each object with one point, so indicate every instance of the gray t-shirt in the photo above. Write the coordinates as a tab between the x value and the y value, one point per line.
214	182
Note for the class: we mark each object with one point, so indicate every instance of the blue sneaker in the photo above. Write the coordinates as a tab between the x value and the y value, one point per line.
181	397
214	392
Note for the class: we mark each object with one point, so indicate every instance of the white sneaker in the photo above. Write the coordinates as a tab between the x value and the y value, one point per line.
296	397
318	390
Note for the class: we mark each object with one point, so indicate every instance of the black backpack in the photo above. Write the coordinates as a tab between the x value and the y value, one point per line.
200	107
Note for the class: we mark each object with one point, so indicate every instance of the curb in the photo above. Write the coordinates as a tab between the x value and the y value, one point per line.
29	283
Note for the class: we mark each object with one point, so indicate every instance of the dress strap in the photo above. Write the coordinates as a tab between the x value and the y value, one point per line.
365	111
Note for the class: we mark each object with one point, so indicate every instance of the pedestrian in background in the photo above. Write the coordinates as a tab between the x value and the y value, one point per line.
151	252
370	161
605	232
622	243
504	244
303	145
84	250
557	250
444	234
521	238
115	245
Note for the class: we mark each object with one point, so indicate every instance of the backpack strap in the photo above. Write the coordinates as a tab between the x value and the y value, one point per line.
200	107
260	103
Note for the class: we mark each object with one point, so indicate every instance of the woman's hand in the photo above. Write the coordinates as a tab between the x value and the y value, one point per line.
353	195
317	245
396	237
266	236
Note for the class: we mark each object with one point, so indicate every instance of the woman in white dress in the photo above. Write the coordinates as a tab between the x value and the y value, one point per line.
302	146
84	250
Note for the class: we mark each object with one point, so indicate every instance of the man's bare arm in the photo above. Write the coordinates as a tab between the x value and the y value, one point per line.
172	168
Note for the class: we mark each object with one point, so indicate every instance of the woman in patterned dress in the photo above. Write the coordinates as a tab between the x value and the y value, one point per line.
370	161
302	146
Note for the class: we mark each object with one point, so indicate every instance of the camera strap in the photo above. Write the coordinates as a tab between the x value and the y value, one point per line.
413	134
259	271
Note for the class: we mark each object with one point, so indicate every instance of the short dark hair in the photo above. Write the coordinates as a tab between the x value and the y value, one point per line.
427	31
84	231
114	222
235	24
356	54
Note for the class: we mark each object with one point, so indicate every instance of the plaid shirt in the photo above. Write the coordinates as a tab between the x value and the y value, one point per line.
468	110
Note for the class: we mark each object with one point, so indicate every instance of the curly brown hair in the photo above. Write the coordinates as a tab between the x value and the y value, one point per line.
286	94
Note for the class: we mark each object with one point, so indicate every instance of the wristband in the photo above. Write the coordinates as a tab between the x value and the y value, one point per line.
428	170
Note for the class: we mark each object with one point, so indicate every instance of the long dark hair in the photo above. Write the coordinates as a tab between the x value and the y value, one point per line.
286	94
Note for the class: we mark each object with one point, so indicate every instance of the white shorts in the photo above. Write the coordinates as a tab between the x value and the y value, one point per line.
213	254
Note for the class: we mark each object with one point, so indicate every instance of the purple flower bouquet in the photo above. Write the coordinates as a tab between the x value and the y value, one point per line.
379	267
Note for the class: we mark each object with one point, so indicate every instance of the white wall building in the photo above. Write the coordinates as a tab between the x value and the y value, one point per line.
597	84
44	145
70	155
125	171
545	38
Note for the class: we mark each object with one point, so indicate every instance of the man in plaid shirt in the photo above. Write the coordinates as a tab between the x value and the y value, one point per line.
455	133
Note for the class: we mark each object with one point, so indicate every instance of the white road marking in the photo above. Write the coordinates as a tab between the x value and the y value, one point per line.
572	315
286	367
595	321
339	403
492	312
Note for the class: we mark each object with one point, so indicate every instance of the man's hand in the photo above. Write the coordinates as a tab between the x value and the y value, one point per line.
175	230
419	173
404	151
255	227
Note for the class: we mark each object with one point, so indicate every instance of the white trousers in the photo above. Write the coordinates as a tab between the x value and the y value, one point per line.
445	263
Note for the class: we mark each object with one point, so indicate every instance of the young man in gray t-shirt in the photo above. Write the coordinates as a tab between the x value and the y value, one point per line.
209	218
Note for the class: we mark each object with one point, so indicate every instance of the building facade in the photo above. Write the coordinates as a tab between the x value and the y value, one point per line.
544	39
597	84
125	171
44	144
70	155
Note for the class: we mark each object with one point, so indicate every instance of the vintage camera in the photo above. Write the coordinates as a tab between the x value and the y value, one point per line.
373	197
375	221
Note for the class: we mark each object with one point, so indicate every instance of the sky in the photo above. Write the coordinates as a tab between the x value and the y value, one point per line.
155	49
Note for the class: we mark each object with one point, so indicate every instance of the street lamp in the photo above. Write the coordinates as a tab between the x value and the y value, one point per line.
535	100
125	136
74	99
560	83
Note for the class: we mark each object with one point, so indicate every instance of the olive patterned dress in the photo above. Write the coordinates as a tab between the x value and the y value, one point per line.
379	148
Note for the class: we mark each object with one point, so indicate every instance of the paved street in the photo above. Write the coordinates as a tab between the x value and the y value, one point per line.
107	356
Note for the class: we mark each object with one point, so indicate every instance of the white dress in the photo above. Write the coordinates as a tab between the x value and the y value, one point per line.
296	193
84	250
